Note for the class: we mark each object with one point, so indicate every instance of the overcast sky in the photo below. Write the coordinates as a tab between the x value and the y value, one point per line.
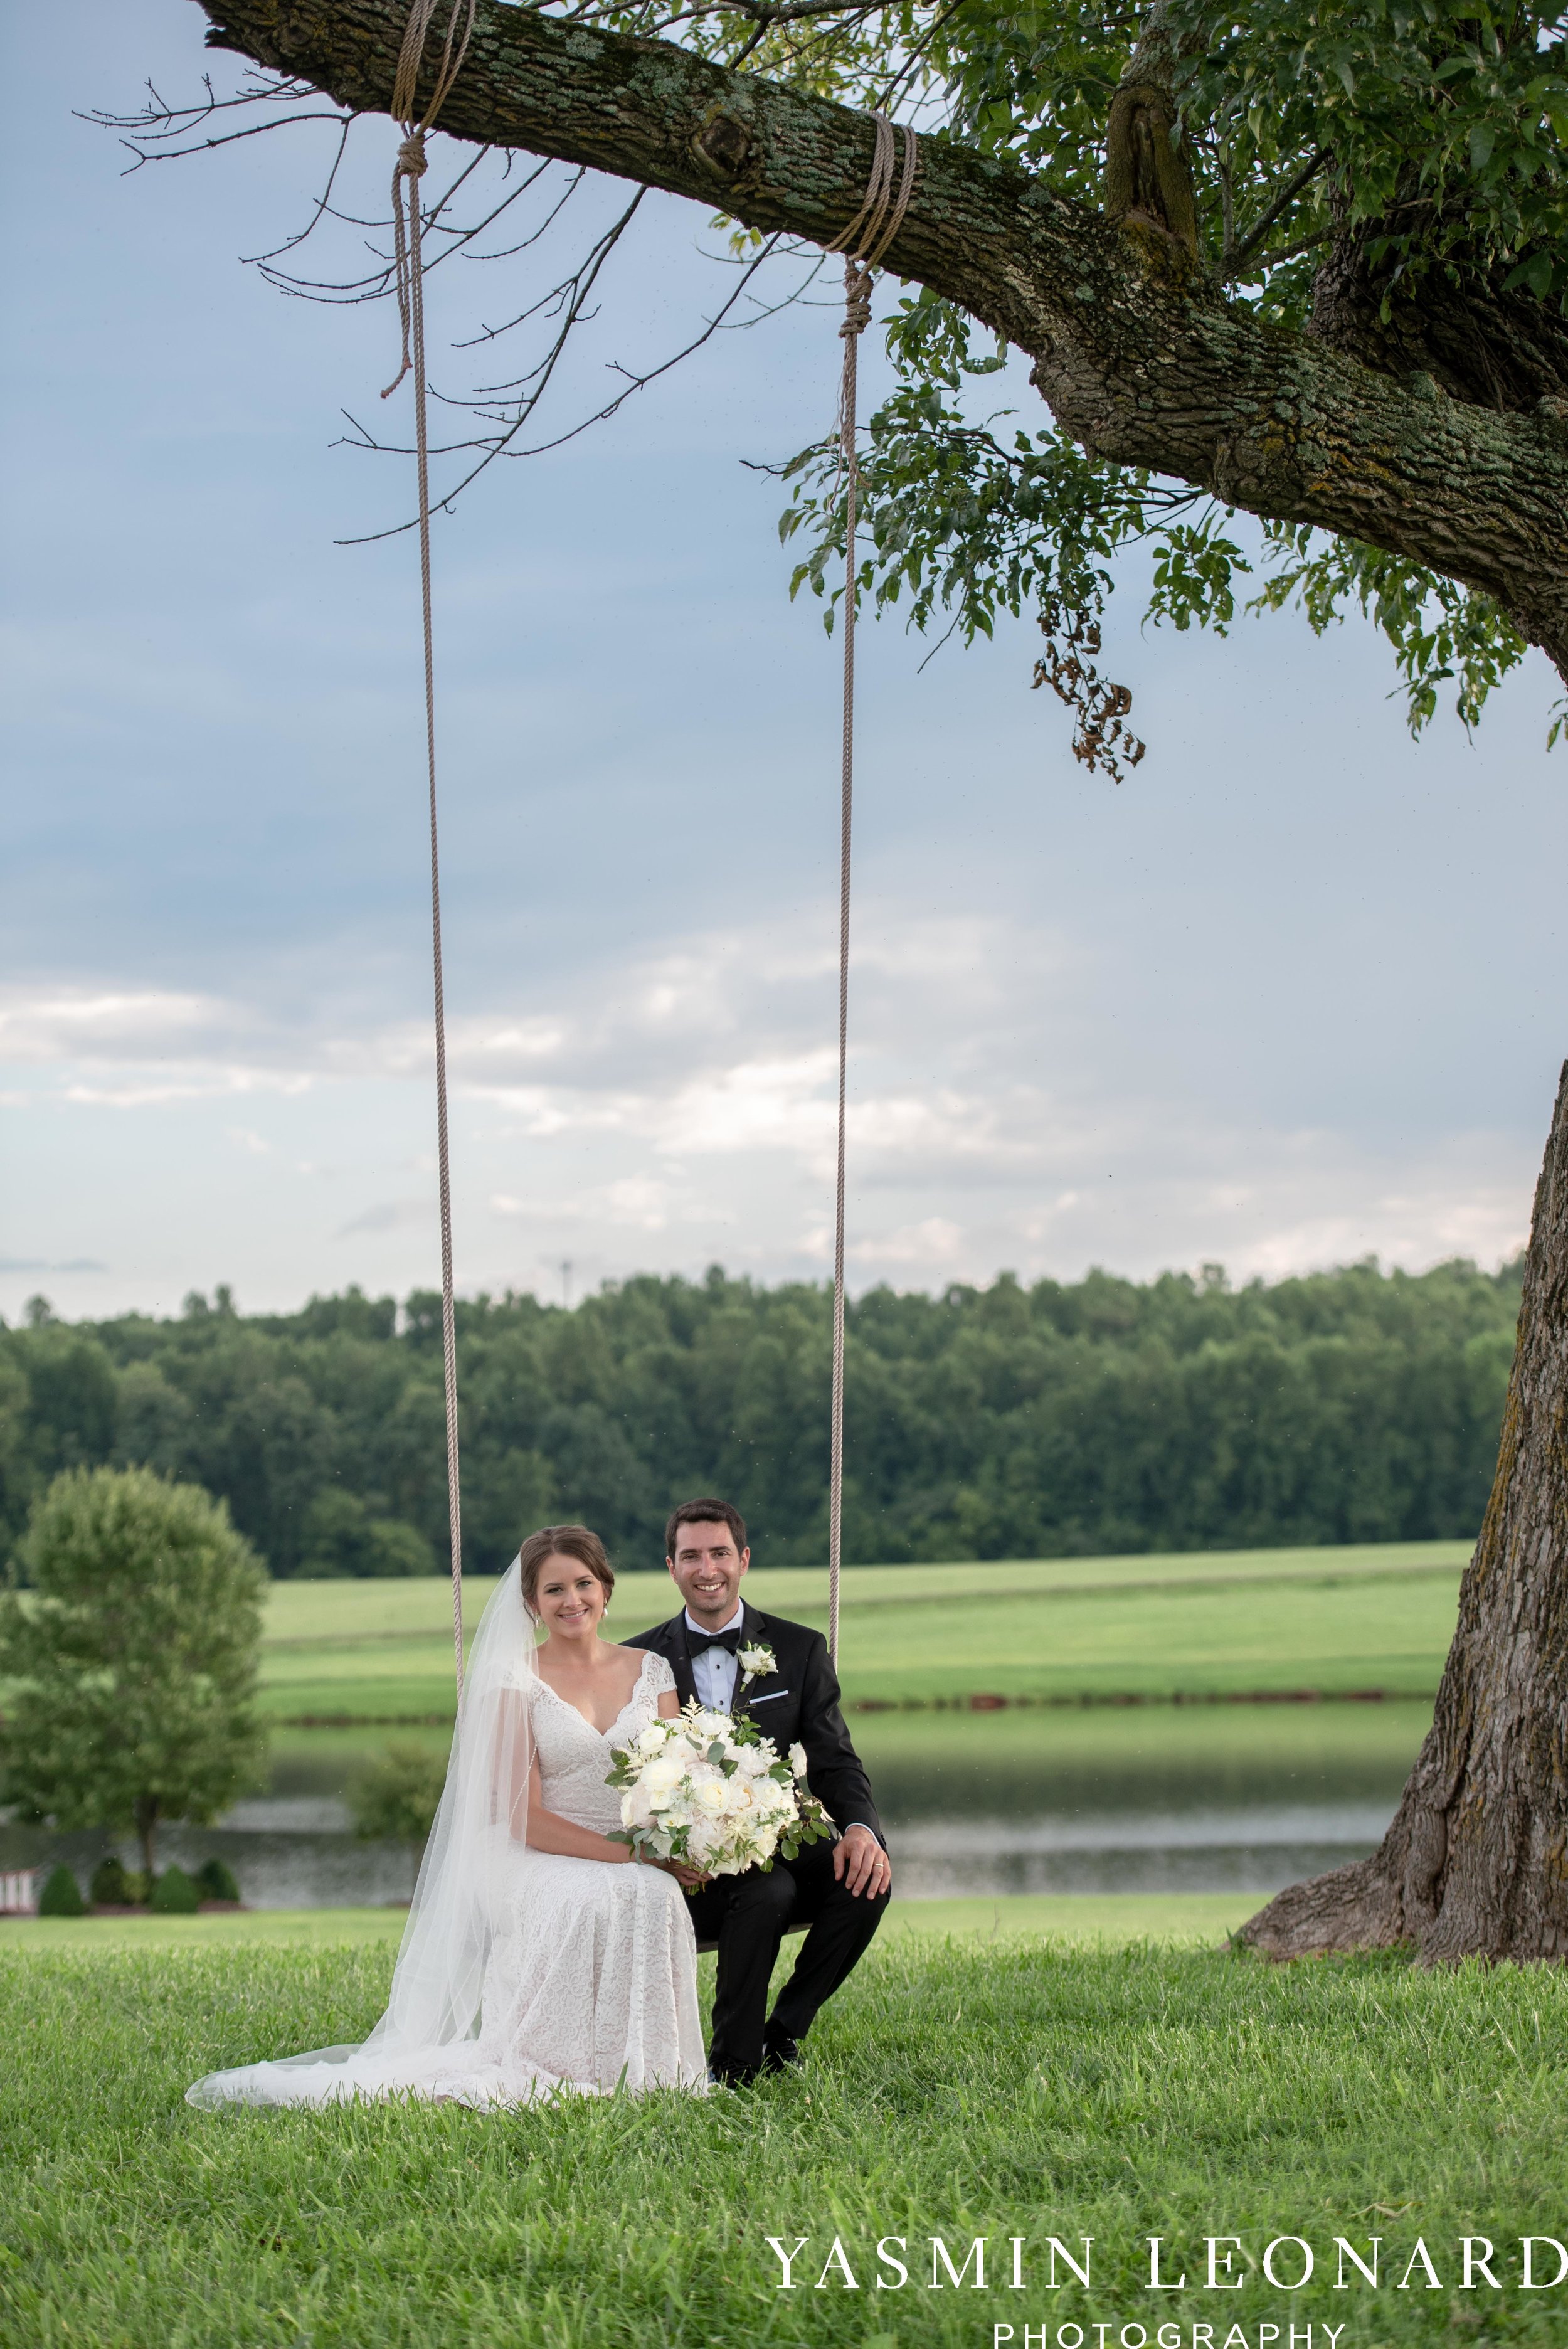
1293	994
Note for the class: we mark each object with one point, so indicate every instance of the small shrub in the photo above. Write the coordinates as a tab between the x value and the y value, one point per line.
396	1792
61	1895
216	1882
174	1895
112	1886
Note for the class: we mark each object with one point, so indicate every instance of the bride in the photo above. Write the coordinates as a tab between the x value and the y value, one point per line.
538	1955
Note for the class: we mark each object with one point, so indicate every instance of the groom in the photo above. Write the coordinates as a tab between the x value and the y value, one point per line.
838	1889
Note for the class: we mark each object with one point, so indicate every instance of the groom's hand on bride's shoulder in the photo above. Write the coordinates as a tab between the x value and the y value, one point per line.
861	1863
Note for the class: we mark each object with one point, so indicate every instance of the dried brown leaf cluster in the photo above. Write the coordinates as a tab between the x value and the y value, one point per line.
1100	740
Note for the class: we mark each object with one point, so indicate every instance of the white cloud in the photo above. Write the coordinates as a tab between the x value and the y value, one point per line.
128	1048
915	1248
634	1203
40	1027
679	1108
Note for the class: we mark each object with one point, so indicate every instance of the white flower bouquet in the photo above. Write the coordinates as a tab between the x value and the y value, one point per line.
714	1792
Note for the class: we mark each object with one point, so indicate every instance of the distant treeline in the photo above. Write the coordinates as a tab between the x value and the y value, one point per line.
1101	1415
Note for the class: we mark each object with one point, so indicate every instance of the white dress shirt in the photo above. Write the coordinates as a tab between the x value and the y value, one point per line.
715	1671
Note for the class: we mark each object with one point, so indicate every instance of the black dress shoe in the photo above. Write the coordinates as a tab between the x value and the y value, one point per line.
780	2053
734	2076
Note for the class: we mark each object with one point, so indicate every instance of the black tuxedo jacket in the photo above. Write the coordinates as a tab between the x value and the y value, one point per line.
796	1704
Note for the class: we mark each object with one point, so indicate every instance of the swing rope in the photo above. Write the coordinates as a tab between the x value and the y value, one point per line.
409	271
863	243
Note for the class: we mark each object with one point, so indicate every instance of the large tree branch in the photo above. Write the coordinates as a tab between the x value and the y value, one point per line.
1139	359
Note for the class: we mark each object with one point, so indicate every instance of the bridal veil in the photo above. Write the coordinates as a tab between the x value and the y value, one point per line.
426	2044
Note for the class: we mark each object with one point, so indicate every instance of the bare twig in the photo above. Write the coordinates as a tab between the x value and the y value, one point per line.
1282	204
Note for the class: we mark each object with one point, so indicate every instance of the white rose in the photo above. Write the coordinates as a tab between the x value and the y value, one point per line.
652	1739
714	1797
756	1661
797	1760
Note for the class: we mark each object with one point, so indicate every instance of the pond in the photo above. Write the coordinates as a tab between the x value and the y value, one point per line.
1144	1798
1148	1798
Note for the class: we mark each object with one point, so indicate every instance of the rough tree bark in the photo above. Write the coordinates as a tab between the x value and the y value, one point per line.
1476	1862
1141	359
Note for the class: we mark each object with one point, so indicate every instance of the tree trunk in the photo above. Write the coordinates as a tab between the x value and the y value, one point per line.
146	1830
1142	360
1476	1862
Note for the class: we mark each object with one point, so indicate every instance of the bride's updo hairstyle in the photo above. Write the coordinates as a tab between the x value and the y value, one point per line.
564	1541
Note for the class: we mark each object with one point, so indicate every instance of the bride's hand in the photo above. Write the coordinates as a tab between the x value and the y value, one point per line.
685	1876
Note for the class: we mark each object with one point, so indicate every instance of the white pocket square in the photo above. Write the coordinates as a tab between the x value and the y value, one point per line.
768	1698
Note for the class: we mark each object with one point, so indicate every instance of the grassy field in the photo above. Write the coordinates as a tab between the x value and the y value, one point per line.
1216	1623
1025	2088
1113	1917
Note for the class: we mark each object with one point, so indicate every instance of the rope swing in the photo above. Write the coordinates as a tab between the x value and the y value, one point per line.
408	269
863	243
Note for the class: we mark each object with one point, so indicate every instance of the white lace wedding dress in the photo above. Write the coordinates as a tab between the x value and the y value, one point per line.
592	1975
522	1974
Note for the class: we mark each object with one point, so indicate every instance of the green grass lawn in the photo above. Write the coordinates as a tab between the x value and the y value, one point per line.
1114	1918
957	2089
1212	1623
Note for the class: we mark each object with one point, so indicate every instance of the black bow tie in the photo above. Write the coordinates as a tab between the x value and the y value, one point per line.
698	1642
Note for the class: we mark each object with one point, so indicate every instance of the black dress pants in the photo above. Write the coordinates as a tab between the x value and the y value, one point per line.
748	1916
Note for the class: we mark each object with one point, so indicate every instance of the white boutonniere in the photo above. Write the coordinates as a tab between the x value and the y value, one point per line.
754	1661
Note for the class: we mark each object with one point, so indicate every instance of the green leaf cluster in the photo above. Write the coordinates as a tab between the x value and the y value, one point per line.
1446	123
1433	133
964	521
